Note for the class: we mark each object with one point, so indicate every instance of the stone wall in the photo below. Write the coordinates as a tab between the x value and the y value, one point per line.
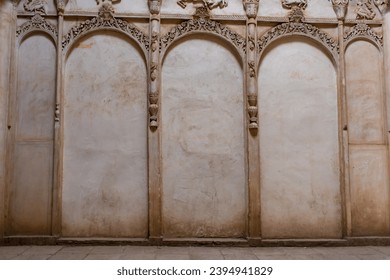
174	120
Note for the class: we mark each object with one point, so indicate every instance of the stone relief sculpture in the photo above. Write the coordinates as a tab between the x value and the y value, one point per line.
365	10
289	4
381	5
36	6
209	4
107	1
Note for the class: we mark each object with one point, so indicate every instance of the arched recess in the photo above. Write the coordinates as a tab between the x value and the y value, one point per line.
31	137
105	139
202	26
299	146
302	30
368	151
203	141
103	24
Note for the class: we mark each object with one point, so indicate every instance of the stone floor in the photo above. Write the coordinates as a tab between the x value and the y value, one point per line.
191	253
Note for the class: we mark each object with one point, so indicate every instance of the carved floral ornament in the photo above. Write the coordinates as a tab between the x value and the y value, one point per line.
37	23
251	8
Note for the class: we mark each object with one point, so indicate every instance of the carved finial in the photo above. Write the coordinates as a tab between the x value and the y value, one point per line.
251	8
253	112
365	10
340	7
154	6
36	6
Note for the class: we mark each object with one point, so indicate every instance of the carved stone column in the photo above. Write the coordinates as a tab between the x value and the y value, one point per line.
155	228
254	228
58	123
340	7
386	43
7	28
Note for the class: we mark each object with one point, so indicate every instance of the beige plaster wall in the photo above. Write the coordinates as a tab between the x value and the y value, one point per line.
203	150
105	152
300	188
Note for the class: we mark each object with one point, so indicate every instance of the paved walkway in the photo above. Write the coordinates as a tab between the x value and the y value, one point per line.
191	253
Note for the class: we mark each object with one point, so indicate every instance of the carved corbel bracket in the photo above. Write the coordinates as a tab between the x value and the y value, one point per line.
340	7
154	6
61	6
251	8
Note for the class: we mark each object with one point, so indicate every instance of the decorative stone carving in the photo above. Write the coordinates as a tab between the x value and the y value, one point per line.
340	8
365	10
154	43
290	4
251	8
106	11
293	28
153	109
102	23
362	30
153	72
252	69
61	6
209	4
203	25
154	6
251	43
36	6
381	5
37	22
98	2
57	113
253	112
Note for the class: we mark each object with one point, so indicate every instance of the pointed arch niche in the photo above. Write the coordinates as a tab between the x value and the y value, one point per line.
299	146
203	140
105	138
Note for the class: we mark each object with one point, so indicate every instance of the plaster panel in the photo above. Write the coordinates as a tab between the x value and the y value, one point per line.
300	190
30	196
36	88
105	152
204	181
369	190
364	93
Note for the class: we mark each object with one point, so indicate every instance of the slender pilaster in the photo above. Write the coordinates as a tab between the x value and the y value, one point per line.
155	227
340	7
254	207
7	25
57	168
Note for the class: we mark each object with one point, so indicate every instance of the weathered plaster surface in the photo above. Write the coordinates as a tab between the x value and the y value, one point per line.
105	171
369	190
364	93
204	181
300	187
31	186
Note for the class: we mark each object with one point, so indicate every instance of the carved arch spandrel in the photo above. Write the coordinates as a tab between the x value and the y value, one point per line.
37	24
203	25
363	31
298	29
100	24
